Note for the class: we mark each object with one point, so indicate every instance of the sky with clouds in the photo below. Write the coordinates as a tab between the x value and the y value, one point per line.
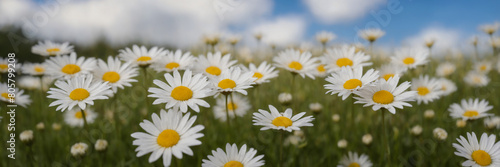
183	23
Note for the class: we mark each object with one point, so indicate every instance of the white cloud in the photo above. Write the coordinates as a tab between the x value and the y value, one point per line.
445	39
12	10
282	31
335	11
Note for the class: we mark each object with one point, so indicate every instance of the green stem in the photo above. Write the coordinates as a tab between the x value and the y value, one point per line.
145	86
281	147
227	117
385	138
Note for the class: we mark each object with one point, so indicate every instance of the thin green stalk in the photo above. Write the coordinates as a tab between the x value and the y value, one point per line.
145	86
228	124
385	138
281	141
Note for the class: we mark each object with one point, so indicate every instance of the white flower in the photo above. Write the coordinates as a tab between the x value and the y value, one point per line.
336	117
26	136
80	90
40	126
335	59
285	98
141	55
367	139
213	64
428	89
49	48
429	114
79	149
320	71
342	143
492	122
115	73
68	66
101	145
470	109
297	63
349	80
281	121
445	69
484	152
389	70
233	158
483	66
489	29
238	107
416	130
233	80
74	117
181	92
17	97
263	73
5	65
461	123
171	133
371	35
410	58
476	79
447	86
352	159
34	69
174	61
386	94
315	107
324	37
440	133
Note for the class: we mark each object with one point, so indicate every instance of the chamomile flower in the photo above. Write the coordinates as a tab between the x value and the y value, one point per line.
5	65
489	29
233	80
141	55
371	35
410	58
447	86
234	158
174	61
492	122
297	63
74	117
48	48
80	90
281	121
214	63
33	83
476	79
470	109
68	66
485	152
324	37
171	133
428	89
352	159
483	67
117	75
336	58
445	69
386	94
181	92
348	80
34	69
320	71
238	107
263	73
389	70
17	97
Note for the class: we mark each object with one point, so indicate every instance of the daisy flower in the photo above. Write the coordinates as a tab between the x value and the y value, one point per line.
174	61
74	117
233	80
334	59
489	29
324	37
470	109
117	75
181	92
447	86
34	69
428	89
389	70
483	67
352	159
296	62
171	133
281	121
33	83
371	35
80	90
238	107
386	94
48	48
445	69
410	58
476	79
17	97
141	55
492	122
4	65
348	80
68	66
263	73
320	71
214	63
234	158
484	152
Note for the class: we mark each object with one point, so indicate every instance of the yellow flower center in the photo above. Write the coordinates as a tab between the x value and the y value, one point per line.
232	106
352	83
111	76
295	65
443	88
70	69
5	95
181	93
79	114
4	66
79	94
481	157
39	69
409	60
282	121
344	62
477	80
53	50
213	70
383	97
354	164
470	113
172	65
233	164
387	76
257	75
144	58
482	68
321	68
422	91
227	83
168	138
